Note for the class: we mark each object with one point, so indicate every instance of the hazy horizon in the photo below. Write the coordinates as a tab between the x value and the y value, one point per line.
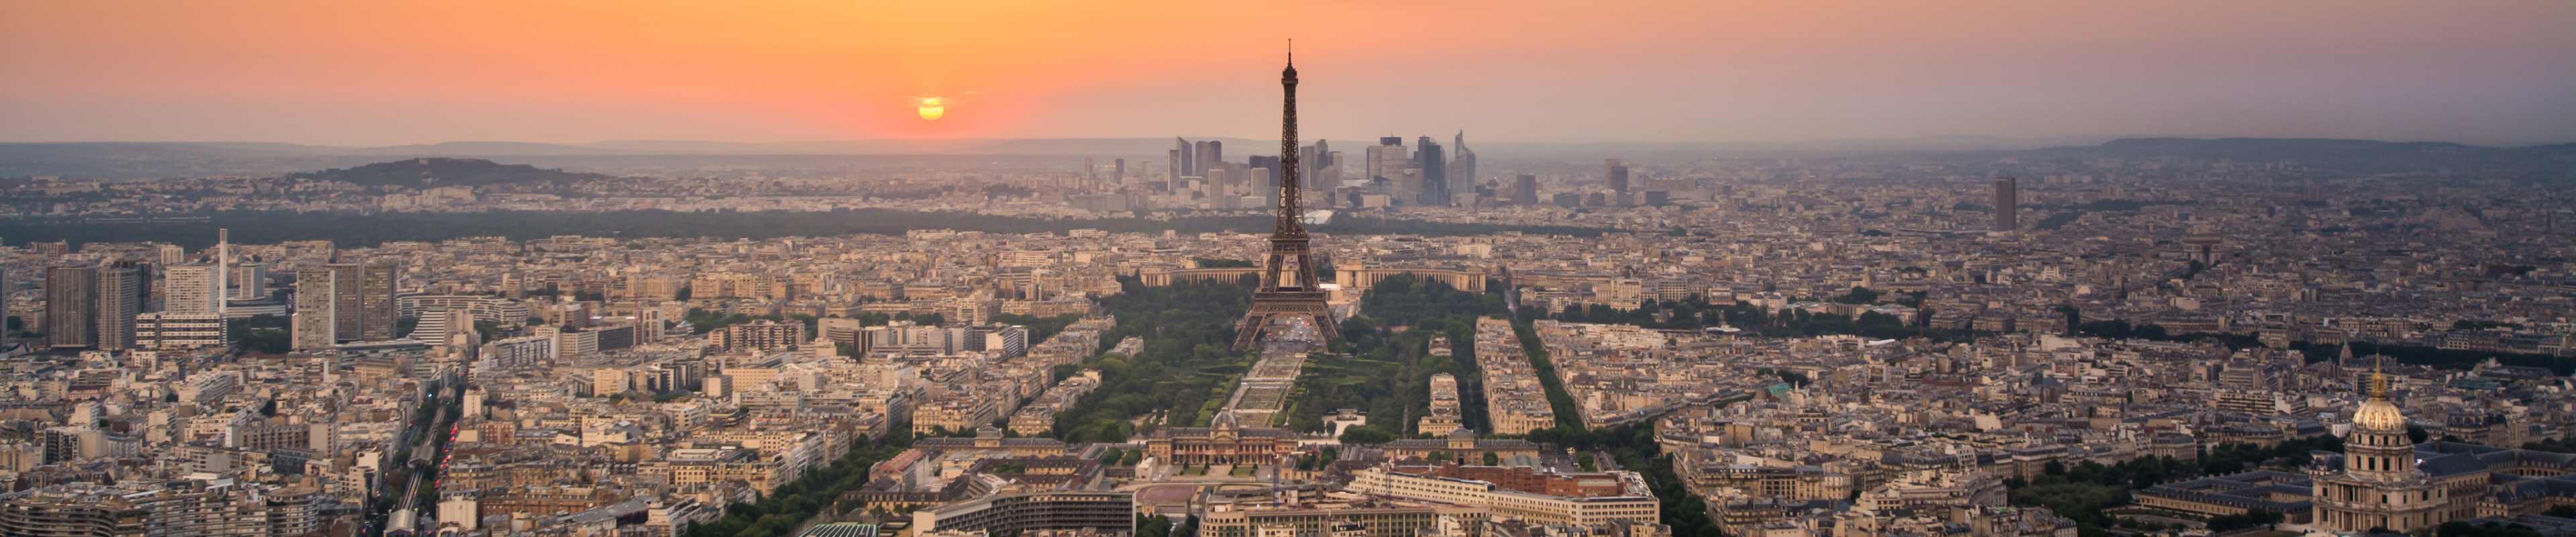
377	74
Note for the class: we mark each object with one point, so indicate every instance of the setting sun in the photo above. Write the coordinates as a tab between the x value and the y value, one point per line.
931	109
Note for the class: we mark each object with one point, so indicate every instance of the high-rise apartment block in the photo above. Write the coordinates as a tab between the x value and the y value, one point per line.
71	303
376	305
315	323
1617	175
250	281
190	289
2007	203
121	290
345	313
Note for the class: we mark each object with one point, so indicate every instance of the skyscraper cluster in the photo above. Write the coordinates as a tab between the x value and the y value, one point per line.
1426	175
1390	174
1387	174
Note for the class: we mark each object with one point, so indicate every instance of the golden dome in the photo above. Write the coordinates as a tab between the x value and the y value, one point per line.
2378	415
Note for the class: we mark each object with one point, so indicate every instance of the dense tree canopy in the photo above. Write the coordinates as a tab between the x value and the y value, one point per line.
1183	374
1040	328
2083	491
1387	370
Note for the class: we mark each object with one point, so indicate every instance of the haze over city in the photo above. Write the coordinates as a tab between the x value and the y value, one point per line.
2490	72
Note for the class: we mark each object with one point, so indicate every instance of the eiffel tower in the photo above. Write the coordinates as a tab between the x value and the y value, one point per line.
1288	290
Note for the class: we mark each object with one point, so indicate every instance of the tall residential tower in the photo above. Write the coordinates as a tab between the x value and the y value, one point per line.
121	292
71	304
2007	204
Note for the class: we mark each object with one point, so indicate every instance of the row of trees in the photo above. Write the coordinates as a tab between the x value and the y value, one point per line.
2463	529
2254	518
1634	447
2436	357
1121	457
2554	445
2061	219
2319	352
1695	313
1569	416
703	320
871	318
789	506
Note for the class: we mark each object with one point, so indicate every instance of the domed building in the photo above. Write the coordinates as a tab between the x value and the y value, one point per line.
1224	441
2379	486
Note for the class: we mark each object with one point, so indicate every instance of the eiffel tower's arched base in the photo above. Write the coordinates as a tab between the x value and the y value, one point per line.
1283	306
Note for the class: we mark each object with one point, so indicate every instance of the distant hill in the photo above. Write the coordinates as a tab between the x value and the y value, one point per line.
2361	156
458	149
436	172
2262	149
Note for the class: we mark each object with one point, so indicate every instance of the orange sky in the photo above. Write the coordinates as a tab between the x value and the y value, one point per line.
401	72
